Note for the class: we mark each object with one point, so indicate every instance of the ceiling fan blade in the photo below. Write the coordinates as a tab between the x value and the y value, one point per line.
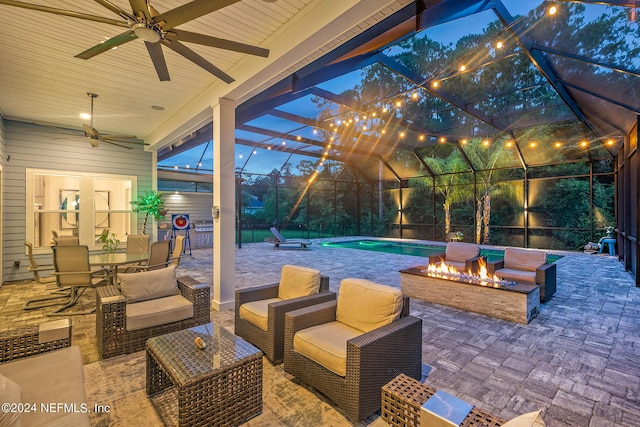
93	141
115	9
63	12
190	11
198	60
124	141
157	57
89	131
112	136
107	45
108	141
140	7
189	37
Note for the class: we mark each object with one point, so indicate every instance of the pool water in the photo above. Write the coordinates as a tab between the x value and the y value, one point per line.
416	249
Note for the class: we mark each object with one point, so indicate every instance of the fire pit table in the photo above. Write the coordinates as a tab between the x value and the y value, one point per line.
516	302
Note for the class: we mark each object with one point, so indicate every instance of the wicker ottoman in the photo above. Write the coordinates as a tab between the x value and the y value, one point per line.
403	396
220	385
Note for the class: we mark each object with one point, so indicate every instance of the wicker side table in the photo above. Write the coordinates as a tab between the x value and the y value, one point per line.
220	385
403	397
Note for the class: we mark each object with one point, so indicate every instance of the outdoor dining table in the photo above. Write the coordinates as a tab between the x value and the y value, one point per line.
111	261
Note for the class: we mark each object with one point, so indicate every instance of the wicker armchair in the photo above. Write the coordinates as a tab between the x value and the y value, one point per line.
372	358
38	365
111	331
271	340
31	340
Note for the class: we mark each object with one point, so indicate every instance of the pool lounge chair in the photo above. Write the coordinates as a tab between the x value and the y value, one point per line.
280	240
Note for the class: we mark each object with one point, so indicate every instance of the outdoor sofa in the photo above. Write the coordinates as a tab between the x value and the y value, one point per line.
43	373
145	305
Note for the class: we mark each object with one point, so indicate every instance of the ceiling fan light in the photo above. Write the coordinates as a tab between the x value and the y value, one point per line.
146	33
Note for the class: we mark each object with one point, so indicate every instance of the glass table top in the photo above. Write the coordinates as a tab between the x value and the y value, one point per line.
179	354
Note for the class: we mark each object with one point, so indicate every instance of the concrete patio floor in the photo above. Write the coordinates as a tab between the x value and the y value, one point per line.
577	361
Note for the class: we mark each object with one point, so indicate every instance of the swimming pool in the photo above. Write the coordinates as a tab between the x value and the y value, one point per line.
416	249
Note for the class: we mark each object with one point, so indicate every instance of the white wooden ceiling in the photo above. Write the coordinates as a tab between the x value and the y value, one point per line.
41	80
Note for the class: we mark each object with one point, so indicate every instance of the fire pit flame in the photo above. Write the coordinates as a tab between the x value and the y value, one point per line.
444	271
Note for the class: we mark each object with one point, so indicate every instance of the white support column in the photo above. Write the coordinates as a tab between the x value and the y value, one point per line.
224	251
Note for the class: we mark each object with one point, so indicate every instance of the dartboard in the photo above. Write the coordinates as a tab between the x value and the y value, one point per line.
180	221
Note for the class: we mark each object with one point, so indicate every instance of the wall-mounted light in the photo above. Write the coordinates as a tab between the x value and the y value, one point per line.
215	212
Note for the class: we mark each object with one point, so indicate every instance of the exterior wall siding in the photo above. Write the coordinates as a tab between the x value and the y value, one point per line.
41	147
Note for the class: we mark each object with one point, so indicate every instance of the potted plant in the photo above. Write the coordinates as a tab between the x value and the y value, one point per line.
151	204
110	242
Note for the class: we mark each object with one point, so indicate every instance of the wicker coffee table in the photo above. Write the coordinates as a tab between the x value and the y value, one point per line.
219	385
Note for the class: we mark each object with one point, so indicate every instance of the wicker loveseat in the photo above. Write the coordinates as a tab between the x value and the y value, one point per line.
349	348
40	369
123	326
259	314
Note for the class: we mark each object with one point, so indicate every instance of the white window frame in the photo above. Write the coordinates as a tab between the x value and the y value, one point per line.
87	226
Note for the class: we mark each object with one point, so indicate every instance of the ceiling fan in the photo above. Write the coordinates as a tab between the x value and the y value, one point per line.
95	137
157	29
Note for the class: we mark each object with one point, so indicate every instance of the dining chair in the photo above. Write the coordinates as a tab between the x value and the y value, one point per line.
72	269
138	244
177	251
54	296
66	241
158	257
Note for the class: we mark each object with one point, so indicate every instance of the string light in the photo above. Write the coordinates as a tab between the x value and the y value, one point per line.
435	83
464	141
532	144
499	45
463	68
443	140
584	143
486	142
558	144
553	9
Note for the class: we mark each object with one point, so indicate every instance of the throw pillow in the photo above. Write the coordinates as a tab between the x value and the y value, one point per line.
296	281
531	419
148	285
10	392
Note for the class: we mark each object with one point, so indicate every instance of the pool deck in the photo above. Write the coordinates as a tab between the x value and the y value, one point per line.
577	361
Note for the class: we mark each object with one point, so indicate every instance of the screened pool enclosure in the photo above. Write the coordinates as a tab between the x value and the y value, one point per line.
500	122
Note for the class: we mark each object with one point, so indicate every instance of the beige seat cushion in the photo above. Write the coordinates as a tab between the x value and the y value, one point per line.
365	305
531	419
10	392
52	377
297	281
326	345
461	251
523	259
257	312
159	311
148	285
520	276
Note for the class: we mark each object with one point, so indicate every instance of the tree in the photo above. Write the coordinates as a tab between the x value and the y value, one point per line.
150	203
449	182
